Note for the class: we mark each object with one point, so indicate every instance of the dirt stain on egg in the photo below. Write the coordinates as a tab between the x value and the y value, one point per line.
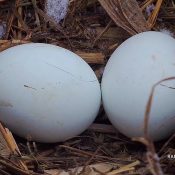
60	123
5	104
30	87
154	57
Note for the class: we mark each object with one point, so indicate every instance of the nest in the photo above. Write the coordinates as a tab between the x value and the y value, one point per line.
93	29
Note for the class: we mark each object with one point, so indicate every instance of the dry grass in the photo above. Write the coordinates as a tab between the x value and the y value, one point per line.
90	29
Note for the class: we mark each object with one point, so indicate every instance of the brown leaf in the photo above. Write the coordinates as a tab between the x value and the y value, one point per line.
112	8
133	15
126	14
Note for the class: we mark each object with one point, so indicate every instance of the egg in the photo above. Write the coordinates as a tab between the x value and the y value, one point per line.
47	93
132	70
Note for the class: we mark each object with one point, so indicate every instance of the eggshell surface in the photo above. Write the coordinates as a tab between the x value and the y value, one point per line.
47	93
134	67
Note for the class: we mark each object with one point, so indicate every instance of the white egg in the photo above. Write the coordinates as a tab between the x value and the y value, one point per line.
47	93
135	66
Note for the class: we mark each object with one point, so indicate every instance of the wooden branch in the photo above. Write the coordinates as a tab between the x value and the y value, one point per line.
92	58
103	128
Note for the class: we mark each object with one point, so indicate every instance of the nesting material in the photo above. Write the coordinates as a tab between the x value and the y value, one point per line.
2	29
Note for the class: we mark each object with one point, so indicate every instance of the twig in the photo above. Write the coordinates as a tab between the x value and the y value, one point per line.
13	168
146	3
101	34
12	145
102	128
153	17
152	157
2	172
166	144
85	153
149	105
